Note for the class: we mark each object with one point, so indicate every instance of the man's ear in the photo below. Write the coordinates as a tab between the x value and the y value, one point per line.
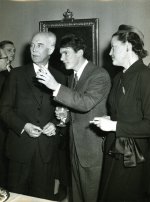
80	52
51	49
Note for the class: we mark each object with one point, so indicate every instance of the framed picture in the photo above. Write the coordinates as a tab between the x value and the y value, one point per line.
88	29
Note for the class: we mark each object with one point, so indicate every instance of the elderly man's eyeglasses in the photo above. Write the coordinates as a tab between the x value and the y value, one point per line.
3	57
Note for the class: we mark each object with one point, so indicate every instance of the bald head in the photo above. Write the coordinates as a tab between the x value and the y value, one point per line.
42	46
48	36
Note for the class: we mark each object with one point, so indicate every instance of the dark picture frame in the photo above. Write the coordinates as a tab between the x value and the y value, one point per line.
88	29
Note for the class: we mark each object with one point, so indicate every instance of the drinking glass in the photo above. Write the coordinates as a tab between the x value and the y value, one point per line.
61	113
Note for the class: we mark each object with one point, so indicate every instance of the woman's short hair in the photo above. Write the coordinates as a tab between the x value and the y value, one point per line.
134	36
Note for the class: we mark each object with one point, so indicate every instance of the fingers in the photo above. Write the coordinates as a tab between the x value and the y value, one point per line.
35	131
32	130
104	123
95	120
98	121
43	71
41	77
49	129
43	74
51	133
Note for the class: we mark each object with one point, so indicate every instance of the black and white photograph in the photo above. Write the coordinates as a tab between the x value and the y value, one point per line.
75	100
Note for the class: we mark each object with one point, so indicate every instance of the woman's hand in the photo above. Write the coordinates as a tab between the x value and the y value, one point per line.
104	123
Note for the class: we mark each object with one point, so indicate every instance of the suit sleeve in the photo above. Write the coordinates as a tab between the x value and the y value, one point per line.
97	89
140	128
7	105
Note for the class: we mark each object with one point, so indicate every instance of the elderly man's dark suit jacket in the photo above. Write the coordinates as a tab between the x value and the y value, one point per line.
27	101
3	135
3	128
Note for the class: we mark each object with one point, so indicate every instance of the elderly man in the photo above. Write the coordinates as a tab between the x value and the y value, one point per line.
86	98
28	110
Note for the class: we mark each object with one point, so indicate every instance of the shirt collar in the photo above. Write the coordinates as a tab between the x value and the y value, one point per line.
79	72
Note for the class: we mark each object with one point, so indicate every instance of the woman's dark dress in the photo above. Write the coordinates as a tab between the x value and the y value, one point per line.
129	103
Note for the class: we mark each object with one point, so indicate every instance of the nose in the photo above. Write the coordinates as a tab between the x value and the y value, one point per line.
33	48
13	52
7	61
110	53
62	57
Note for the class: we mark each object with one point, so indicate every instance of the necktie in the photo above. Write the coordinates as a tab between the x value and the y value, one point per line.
75	80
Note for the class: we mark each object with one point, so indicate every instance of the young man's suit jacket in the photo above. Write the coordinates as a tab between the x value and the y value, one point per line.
87	101
27	101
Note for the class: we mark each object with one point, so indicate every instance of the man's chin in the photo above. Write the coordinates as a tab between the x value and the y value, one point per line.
35	61
68	67
114	63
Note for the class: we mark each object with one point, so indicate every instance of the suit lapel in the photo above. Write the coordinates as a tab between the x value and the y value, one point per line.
33	83
46	92
85	74
70	81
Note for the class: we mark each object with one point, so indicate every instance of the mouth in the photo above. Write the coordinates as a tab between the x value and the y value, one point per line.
66	63
35	56
12	56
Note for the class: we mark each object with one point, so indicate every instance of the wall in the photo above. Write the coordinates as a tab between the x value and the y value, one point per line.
20	19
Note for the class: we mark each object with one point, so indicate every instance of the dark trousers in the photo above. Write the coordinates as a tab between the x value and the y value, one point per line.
85	180
3	158
3	170
34	178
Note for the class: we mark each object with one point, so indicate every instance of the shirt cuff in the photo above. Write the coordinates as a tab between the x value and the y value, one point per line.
55	92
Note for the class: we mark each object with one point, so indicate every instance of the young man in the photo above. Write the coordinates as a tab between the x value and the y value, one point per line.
85	100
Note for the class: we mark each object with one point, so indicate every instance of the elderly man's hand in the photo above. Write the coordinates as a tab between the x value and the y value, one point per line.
46	78
32	130
49	129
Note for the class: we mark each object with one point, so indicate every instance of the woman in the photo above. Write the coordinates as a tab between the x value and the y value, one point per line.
125	176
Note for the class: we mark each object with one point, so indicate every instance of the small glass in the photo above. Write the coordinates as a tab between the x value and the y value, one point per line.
61	113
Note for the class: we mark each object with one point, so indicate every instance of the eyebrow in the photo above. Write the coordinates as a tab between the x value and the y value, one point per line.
3	57
40	43
37	43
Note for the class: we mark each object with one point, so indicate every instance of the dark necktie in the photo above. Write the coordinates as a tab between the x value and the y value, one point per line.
75	80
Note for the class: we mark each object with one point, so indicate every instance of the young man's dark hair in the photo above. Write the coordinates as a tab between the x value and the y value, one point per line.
73	41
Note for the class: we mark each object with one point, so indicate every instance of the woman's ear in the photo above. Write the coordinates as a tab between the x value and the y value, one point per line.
129	46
